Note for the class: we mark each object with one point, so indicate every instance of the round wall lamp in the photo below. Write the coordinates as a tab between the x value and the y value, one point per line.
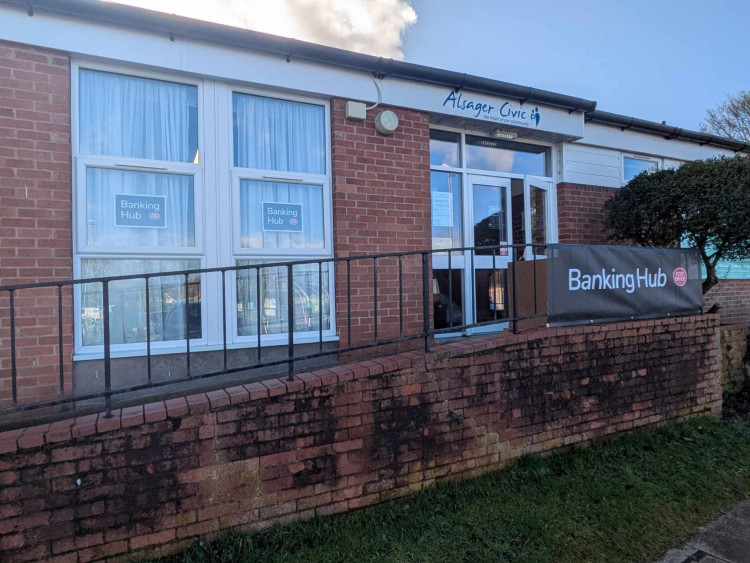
386	122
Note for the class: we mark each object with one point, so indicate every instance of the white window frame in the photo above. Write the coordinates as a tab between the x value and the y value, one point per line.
641	157
82	250
238	253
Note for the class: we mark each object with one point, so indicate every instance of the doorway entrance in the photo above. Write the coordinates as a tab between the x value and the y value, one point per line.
486	210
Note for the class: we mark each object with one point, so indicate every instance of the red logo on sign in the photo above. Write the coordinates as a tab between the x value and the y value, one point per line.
293	221
154	216
680	276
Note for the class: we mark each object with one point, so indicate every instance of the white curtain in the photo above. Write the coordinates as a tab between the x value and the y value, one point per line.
103	184
309	297
137	117
127	301
252	195
274	134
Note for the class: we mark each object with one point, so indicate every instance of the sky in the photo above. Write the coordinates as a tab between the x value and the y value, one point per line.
653	59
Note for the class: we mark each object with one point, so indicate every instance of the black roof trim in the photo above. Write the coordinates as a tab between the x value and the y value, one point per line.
667	131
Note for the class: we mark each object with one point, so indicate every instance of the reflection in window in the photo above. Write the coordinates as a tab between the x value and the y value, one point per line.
127	301
444	148
489	216
445	188
505	156
281	215
135	117
127	208
447	298
267	306
273	134
633	166
490	291
538	213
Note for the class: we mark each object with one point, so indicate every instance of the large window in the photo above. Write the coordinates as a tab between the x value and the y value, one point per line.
282	208
138	189
181	174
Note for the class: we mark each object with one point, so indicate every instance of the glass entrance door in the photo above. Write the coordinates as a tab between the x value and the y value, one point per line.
490	219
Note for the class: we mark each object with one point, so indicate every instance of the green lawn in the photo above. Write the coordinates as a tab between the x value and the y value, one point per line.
630	499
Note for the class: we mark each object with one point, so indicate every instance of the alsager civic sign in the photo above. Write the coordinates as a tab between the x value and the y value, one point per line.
590	283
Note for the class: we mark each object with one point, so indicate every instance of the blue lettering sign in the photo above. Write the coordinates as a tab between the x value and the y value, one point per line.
282	217
506	112
140	211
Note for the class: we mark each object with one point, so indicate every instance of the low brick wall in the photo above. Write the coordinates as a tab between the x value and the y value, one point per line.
734	358
152	479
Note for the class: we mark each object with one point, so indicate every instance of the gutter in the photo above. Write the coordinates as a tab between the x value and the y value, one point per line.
667	131
176	26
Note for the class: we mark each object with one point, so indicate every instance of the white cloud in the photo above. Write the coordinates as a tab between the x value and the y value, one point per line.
375	27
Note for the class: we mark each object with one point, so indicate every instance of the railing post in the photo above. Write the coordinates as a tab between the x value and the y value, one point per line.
13	367
61	359
148	329
515	294
290	319
107	360
187	324
426	301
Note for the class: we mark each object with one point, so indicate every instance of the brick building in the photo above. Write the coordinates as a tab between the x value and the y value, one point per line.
133	142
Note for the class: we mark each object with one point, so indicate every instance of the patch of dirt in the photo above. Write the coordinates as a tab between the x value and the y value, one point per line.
737	406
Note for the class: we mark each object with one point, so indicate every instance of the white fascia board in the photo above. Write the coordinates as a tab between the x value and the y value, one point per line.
105	42
598	135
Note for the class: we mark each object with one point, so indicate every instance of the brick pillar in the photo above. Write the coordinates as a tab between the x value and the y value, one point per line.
580	213
381	203
35	215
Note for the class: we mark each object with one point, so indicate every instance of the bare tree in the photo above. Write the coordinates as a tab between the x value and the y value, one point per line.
731	118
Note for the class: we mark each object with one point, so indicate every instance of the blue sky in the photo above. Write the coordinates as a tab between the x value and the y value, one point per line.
658	60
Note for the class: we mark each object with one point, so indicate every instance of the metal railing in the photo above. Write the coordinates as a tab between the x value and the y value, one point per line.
343	270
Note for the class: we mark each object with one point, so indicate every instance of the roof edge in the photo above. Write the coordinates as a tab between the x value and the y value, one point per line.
179	26
669	132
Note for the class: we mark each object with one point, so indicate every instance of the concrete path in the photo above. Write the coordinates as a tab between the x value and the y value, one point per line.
725	540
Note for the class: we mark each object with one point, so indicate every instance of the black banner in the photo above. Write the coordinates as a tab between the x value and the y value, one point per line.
598	283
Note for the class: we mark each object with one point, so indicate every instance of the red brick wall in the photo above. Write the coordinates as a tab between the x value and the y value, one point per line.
381	203
35	213
734	298
580	213
162	475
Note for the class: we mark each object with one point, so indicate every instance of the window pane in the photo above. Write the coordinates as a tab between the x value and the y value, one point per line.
281	215
137	117
445	188
538	198
127	301
505	156
490	292
444	148
489	217
274	134
447	298
127	208
269	307
634	166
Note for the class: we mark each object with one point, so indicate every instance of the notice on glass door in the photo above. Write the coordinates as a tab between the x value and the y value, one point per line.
442	209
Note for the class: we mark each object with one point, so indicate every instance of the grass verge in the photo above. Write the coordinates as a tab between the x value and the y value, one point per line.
629	499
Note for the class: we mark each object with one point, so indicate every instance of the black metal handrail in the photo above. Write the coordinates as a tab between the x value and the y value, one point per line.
512	251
